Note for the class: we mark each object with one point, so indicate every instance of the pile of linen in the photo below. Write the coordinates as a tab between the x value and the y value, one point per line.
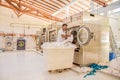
58	45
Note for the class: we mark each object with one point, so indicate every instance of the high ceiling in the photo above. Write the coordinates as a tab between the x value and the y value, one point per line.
51	9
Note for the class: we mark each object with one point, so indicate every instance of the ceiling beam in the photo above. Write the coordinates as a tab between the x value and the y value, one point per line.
18	13
101	2
10	3
75	8
39	7
60	10
39	1
62	2
29	11
8	6
72	11
110	7
25	12
68	0
50	4
48	16
55	3
84	4
78	6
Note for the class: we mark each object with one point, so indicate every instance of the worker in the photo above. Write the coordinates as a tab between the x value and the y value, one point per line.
64	38
62	33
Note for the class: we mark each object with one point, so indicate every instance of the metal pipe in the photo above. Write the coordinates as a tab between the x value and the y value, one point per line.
25	25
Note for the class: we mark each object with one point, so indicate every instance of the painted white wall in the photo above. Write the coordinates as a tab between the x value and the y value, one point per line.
2	41
7	16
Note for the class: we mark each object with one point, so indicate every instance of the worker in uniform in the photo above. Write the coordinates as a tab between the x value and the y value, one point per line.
62	33
62	37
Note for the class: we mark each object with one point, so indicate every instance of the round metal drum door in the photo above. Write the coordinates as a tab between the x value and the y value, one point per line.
84	35
9	43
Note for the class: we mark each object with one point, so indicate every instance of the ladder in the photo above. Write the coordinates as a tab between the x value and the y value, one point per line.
113	43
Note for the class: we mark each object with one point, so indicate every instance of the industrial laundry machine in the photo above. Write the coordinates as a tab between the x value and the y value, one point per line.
9	46
92	40
52	35
38	40
82	36
21	43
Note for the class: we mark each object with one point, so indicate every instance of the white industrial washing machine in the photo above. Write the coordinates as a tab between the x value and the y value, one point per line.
92	40
9	46
38	40
82	37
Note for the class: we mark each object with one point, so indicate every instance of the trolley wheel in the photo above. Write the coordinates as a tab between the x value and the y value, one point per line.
60	71
41	51
50	71
65	69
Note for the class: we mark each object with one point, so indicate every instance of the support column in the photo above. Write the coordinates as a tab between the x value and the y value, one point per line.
105	13
92	6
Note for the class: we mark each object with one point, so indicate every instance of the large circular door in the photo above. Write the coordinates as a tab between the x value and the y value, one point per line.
84	35
9	43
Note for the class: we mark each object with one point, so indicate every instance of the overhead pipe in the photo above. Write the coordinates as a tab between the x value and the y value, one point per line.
25	25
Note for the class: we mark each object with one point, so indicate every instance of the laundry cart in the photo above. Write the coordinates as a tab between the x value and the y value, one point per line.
58	57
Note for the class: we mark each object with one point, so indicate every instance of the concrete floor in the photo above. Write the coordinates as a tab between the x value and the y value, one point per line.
29	65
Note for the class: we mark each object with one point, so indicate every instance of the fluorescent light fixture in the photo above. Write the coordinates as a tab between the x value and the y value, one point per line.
114	11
